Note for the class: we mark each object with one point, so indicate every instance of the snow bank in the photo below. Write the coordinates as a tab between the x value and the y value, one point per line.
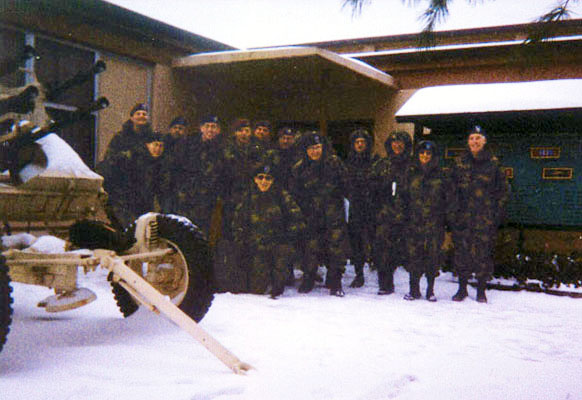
62	161
519	346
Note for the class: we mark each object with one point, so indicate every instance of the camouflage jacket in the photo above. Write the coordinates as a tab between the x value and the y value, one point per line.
359	190
263	219
238	165
318	187
481	192
429	205
134	181
388	179
195	169
127	139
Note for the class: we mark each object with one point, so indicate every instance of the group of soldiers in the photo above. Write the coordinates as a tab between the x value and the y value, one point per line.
288	201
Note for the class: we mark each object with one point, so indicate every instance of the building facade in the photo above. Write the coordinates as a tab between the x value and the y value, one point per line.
332	86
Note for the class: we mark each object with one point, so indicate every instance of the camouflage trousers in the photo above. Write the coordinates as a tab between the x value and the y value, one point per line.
389	248
331	253
473	253
199	212
267	267
425	255
239	269
360	240
229	272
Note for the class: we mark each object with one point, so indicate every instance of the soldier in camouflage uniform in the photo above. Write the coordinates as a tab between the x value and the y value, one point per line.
262	132
283	160
317	185
133	132
388	179
287	155
429	204
481	192
358	193
175	140
197	166
135	180
265	225
240	157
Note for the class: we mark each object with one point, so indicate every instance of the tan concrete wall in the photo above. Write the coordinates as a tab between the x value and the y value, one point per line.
384	121
125	83
171	98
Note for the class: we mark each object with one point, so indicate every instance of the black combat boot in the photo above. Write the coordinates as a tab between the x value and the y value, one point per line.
481	286
277	289
414	284
381	275
430	289
335	285
307	283
462	292
290	281
386	284
359	279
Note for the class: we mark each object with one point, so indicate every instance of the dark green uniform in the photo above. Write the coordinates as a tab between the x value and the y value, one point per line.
196	167
134	181
238	163
361	211
266	225
318	187
429	205
127	139
481	192
389	180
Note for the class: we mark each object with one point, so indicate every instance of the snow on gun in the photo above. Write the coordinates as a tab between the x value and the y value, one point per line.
160	261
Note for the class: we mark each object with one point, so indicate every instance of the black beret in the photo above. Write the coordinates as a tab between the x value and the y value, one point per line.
478	129
240	123
209	119
263	169
178	121
137	107
264	123
312	139
286	131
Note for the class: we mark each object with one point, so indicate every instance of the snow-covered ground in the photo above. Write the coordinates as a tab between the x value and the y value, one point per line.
521	345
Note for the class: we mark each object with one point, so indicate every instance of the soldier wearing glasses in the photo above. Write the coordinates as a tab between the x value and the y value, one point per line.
265	225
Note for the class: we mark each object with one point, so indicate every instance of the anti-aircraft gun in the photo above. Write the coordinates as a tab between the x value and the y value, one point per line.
162	262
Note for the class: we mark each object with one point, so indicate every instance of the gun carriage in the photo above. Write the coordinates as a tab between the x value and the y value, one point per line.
160	261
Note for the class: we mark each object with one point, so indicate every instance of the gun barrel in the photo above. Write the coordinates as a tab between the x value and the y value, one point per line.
55	90
76	116
20	139
11	65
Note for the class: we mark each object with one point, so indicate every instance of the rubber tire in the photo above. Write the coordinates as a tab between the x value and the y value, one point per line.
125	302
5	302
196	250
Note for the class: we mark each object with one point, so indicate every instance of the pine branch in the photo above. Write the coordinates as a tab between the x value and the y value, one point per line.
545	29
438	11
356	6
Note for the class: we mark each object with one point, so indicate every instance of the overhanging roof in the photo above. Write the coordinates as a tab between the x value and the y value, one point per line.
304	83
289	55
534	105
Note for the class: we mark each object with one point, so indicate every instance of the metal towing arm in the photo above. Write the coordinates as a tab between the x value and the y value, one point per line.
147	295
20	263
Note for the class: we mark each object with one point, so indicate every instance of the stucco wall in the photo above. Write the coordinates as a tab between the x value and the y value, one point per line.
384	121
125	83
